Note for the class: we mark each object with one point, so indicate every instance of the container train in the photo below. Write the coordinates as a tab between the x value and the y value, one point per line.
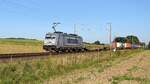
63	42
124	43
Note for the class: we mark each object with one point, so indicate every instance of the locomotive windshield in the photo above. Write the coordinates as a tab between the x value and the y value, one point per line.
48	36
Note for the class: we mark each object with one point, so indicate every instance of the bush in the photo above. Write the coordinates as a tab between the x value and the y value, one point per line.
97	42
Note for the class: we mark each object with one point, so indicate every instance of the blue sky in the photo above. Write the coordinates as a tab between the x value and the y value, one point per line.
33	18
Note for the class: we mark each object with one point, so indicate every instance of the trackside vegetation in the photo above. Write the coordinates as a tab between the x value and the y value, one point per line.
38	71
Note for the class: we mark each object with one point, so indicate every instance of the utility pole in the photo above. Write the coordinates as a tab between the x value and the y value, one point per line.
74	28
110	35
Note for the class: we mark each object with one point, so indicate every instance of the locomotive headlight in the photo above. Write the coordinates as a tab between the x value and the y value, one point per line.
45	42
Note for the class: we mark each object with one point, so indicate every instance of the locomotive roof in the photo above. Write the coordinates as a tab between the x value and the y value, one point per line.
58	32
75	35
63	33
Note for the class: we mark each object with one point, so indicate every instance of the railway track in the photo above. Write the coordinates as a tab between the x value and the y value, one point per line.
12	56
22	55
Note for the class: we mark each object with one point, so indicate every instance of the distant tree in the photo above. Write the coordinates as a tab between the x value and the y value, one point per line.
149	45
97	42
133	39
120	39
20	38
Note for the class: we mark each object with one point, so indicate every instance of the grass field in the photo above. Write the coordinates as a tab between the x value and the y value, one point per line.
20	45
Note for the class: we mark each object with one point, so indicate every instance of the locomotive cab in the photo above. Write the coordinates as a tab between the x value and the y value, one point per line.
50	41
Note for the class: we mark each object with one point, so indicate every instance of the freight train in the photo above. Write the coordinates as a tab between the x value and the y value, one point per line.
63	42
124	43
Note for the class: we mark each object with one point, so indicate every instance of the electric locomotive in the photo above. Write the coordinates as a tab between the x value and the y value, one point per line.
59	41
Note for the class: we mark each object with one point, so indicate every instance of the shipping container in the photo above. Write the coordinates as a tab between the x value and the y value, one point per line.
117	45
127	45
